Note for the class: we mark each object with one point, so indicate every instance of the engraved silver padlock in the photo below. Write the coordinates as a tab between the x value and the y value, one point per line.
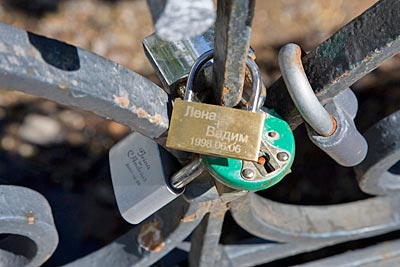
331	127
140	172
146	177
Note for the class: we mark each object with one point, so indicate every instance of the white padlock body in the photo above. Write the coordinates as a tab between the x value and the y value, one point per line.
140	170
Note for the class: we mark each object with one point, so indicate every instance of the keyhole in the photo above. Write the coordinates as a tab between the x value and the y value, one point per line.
265	161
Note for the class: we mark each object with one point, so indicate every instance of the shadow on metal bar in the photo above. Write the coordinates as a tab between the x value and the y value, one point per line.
72	76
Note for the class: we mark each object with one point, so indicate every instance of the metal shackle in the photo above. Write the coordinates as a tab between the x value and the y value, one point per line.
257	92
301	92
331	128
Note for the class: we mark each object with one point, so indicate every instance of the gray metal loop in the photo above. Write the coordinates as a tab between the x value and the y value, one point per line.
257	93
301	92
26	219
333	129
379	174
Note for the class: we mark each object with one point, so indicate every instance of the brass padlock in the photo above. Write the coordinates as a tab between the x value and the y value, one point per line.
216	130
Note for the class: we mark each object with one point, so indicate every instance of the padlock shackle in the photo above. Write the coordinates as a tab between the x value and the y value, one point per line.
187	174
194	71
253	68
256	87
302	93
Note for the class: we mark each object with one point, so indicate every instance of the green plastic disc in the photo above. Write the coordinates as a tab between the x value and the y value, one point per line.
279	138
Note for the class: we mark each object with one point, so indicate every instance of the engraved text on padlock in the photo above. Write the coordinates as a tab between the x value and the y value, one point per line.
215	130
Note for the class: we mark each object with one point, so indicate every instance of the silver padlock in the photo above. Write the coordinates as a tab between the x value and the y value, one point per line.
172	60
142	172
331	128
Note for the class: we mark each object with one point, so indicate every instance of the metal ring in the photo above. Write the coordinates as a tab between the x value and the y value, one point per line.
301	92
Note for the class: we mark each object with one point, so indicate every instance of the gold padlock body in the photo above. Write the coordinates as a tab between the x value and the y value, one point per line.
215	130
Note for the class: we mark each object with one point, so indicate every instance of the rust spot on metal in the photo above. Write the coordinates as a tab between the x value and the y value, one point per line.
30	218
367	57
334	126
122	101
189	218
62	87
150	237
297	58
141	113
156	119
226	90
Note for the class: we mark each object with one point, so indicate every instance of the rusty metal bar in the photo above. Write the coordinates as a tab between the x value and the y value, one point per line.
355	50
205	239
232	42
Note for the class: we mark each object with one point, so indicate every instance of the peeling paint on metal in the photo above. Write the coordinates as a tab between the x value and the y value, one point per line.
62	87
141	113
156	119
189	218
150	237
122	101
121	98
30	218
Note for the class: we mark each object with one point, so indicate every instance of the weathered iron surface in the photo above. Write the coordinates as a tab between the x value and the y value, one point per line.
296	223
181	19
352	52
232	42
379	173
72	76
28	235
204	250
384	255
155	237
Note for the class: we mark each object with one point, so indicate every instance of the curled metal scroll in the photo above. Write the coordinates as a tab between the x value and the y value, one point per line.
27	227
295	223
378	174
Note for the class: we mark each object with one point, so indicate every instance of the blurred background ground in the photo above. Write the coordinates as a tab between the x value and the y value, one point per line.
63	153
